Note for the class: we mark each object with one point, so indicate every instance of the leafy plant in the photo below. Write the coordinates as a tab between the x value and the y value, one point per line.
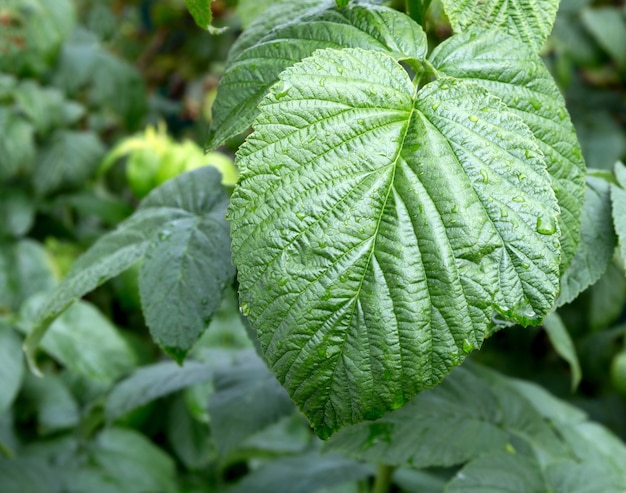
405	198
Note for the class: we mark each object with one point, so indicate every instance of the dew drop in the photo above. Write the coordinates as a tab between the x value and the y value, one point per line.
284	90
361	121
165	234
435	106
245	309
504	212
518	198
535	103
473	118
468	347
546	225
525	266
483	173
300	215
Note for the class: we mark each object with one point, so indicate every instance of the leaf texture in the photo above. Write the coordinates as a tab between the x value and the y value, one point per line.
252	71
530	21
376	229
512	72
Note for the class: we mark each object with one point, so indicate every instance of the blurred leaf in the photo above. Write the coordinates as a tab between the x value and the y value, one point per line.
151	382
498	473
25	269
608	297
601	137
68	160
85	341
251	10
618	198
28	476
134	461
246	399
597	242
189	438
303	474
412	481
177	206
33	33
11	366
51	401
201	12
17	144
17	212
92	480
608	27
563	345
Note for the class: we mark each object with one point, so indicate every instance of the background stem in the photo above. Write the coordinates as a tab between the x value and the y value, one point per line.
416	9
382	483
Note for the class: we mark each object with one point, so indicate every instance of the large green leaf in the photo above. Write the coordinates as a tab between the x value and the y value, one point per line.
173	225
512	72
28	475
151	382
596	244
376	229
252	71
530	21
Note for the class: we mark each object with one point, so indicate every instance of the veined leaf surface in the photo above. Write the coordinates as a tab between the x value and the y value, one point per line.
252	72
511	71
530	21
376	228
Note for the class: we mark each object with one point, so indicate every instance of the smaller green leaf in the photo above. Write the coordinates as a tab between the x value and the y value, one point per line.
11	366
201	12
247	386
152	382
530	21
608	297
134	460
563	345
618	198
596	245
68	160
620	173
304	474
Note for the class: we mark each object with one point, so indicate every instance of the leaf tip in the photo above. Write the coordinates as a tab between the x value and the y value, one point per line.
176	353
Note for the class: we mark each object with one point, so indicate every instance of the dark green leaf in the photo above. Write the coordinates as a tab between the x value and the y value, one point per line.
376	231
68	160
253	71
596	245
563	345
303	474
608	297
247	398
530	21
189	438
194	196
201	12
151	382
512	72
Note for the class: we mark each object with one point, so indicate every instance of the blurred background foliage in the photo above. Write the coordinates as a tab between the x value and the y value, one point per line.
103	100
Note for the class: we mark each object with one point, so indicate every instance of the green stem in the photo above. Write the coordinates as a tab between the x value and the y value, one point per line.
416	10
6	451
382	483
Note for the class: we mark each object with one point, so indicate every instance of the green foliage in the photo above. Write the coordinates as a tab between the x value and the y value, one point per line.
426	268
